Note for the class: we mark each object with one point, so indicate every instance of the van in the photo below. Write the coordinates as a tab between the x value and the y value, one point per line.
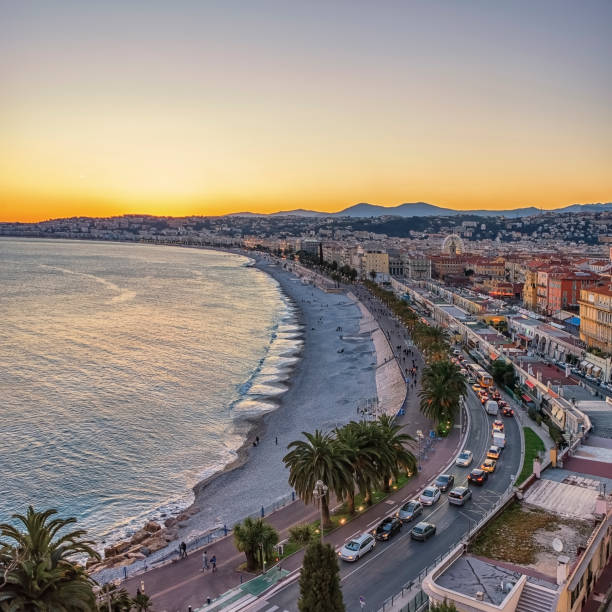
499	439
491	407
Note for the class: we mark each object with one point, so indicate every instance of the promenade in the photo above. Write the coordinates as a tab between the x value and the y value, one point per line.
182	583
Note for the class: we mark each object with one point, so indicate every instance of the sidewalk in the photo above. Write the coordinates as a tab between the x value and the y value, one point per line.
182	583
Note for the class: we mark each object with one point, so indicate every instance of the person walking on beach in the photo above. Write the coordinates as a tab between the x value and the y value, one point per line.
213	562
205	560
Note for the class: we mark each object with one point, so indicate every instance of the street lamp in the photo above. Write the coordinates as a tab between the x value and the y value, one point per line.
320	491
419	435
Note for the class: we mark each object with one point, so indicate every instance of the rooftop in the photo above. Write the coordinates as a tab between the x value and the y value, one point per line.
469	575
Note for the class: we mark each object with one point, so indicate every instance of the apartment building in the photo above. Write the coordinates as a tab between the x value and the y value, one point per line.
596	317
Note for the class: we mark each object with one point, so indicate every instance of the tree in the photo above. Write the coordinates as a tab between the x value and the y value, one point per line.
442	388
399	458
142	602
503	373
316	458
361	454
432	340
119	599
320	580
38	572
256	539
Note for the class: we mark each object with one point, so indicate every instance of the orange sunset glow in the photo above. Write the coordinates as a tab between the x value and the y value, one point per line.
109	109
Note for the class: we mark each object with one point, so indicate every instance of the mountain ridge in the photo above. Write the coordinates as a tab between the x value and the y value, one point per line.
424	209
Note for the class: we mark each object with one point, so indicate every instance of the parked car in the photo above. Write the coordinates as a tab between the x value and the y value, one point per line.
494	452
459	495
507	411
410	510
422	531
478	476
444	482
498	425
429	496
357	547
464	458
387	527
489	465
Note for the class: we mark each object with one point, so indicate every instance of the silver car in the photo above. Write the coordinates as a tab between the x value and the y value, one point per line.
464	458
409	511
357	547
459	495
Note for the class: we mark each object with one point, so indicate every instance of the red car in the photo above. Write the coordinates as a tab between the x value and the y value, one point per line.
507	411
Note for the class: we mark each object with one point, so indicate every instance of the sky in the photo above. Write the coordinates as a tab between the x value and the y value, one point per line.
195	107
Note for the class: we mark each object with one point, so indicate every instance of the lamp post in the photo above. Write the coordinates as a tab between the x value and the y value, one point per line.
419	435
320	491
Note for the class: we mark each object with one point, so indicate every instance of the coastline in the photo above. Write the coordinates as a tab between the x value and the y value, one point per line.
256	477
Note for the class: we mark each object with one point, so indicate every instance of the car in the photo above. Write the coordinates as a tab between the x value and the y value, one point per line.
476	387
471	380
357	547
387	527
410	510
507	411
478	476
459	495
498	425
488	465
464	458
444	482
494	452
484	398
429	496
422	531
501	403
496	396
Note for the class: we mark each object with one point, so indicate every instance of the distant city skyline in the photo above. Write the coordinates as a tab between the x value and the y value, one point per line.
202	109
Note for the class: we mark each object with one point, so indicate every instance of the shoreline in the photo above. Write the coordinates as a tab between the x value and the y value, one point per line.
204	514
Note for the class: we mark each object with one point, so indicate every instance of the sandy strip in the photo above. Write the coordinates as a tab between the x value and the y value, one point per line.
390	384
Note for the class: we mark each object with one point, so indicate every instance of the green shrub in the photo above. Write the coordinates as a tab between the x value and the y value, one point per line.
301	534
533	413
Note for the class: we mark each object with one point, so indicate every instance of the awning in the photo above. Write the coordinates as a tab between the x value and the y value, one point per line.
596	371
589	367
530	384
525	338
583	364
527	399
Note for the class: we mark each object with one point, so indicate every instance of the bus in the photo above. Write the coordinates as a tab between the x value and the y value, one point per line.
482	376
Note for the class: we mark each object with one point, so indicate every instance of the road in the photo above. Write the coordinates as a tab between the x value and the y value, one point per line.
393	564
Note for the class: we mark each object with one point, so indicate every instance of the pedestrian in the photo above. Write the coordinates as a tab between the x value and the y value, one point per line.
257	439
213	562
183	550
205	560
276	440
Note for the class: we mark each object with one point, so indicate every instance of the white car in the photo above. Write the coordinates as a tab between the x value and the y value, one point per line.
357	547
465	458
430	495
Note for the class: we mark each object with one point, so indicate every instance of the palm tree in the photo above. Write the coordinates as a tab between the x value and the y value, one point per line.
112	598
316	458
256	539
442	388
142	602
401	459
354	443
432	340
36	564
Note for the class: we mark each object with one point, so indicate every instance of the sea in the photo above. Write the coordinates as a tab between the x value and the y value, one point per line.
130	372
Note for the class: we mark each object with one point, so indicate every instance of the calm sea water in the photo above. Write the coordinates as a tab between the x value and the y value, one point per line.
124	371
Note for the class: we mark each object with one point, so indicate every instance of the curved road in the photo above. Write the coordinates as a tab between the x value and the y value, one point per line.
392	564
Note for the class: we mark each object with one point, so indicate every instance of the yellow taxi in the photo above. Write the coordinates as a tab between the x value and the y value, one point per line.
489	465
476	387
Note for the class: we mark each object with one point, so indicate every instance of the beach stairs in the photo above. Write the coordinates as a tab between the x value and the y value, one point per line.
238	598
